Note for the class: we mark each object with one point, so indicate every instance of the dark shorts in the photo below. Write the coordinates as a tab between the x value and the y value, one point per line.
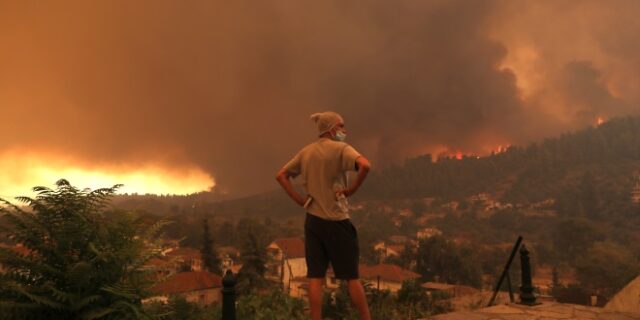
334	242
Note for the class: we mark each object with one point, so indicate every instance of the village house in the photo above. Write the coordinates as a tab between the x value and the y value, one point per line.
287	263
299	287
386	276
427	233
453	205
188	259
176	260
228	257
162	267
385	251
199	287
19	248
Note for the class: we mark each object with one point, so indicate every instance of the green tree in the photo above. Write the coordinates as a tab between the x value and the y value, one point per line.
254	257
572	237
442	260
179	308
83	261
210	257
606	268
272	305
412	300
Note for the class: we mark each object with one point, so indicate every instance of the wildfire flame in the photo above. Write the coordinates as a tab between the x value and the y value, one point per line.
599	121
459	155
501	149
21	172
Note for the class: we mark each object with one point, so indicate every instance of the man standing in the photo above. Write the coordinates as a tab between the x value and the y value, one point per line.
329	235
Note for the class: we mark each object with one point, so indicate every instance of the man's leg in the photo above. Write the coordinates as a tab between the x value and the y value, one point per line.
315	297
358	298
317	260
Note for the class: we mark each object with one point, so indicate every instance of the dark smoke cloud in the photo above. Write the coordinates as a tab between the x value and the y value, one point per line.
229	85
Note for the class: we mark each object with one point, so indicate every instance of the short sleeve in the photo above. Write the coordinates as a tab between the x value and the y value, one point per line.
293	166
349	156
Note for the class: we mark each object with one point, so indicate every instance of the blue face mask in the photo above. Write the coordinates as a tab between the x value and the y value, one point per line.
339	136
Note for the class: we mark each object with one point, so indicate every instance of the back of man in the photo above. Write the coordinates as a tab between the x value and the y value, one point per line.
323	166
329	235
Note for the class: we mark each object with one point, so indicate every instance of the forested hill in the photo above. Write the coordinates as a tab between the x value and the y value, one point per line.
590	172
597	163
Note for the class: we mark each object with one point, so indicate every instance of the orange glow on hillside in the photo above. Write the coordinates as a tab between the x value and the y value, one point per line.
21	172
484	151
599	121
501	149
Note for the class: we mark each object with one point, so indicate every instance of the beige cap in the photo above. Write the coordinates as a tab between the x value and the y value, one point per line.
326	120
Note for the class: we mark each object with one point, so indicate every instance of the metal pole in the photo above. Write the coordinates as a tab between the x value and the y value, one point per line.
526	290
511	298
504	272
228	296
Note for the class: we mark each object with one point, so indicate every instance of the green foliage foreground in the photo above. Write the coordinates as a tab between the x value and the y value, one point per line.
83	261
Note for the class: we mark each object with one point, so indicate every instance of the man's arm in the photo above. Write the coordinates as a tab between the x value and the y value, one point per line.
284	179
363	166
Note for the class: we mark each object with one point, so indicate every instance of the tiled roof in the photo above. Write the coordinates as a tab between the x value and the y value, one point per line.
189	253
388	272
399	248
188	281
20	249
292	247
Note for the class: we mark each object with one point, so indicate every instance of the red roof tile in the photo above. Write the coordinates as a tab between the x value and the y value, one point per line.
388	272
292	247
20	249
189	253
188	281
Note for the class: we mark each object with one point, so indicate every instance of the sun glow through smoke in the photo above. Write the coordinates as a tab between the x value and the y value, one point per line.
21	172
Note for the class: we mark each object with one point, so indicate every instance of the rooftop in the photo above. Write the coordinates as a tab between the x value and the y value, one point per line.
388	272
292	247
185	252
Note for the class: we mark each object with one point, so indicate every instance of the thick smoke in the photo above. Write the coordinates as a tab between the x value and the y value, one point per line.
229	85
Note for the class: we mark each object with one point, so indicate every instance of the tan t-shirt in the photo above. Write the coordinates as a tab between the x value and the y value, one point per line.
322	166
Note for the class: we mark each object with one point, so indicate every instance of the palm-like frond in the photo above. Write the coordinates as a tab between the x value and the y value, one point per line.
97	313
80	262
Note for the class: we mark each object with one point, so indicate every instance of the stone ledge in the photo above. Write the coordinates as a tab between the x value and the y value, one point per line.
544	311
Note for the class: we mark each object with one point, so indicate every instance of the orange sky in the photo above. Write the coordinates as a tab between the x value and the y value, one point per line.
182	94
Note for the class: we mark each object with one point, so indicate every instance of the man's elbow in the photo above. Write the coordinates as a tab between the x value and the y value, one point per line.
281	176
363	164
